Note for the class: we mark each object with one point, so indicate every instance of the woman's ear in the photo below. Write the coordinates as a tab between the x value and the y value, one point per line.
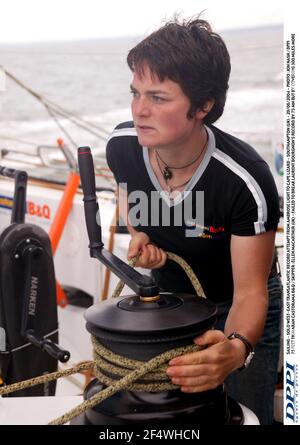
201	113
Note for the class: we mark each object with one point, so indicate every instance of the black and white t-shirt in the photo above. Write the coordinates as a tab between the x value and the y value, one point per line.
231	192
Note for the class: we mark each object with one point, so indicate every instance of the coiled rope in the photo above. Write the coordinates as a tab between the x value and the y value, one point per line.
177	259
129	372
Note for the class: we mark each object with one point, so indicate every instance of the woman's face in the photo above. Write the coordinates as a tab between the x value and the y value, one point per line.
159	111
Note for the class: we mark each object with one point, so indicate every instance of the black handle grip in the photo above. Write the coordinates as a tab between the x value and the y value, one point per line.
91	208
86	168
19	201
8	172
55	351
48	346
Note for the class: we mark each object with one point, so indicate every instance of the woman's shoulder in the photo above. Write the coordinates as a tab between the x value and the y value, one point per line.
123	130
239	150
122	148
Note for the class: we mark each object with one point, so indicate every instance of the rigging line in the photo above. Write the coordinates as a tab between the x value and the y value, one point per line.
73	120
51	103
50	111
10	138
44	100
75	115
17	81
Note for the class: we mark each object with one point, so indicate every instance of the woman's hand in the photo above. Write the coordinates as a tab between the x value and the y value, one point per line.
206	369
151	256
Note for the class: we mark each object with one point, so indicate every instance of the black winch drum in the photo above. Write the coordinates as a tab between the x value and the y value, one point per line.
140	331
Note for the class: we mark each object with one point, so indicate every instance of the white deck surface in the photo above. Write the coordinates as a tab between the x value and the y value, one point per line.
42	410
34	410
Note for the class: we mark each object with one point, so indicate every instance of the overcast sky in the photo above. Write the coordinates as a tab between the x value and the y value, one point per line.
49	20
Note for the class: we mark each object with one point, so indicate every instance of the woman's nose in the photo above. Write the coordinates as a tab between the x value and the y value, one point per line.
141	106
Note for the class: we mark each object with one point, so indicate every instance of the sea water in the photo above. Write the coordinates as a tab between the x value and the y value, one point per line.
90	78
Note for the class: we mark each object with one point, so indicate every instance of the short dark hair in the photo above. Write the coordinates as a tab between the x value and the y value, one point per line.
192	55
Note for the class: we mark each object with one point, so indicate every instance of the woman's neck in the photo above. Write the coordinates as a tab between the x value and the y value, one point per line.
179	175
184	153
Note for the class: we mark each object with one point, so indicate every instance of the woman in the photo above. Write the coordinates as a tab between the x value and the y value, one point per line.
172	154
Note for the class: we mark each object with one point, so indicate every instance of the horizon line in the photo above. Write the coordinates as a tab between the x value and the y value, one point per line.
87	39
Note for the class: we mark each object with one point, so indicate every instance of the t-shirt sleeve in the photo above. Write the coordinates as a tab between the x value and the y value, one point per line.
115	150
110	157
114	161
256	207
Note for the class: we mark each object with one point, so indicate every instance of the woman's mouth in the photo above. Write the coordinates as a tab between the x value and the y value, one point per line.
145	128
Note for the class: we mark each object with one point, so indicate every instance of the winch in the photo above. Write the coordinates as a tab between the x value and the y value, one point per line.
28	309
135	329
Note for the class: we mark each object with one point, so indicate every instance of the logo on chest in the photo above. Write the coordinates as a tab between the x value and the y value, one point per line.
209	232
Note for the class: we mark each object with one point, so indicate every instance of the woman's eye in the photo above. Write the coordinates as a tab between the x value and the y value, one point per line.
157	99
134	93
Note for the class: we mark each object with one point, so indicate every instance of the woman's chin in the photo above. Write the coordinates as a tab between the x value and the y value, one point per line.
146	141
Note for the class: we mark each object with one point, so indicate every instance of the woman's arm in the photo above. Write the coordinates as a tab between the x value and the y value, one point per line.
151	256
251	258
251	262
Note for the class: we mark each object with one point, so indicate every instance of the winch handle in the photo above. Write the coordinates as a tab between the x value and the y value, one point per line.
19	200
48	346
142	285
91	208
32	255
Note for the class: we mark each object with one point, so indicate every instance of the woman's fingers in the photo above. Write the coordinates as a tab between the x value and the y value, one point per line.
151	257
207	368
163	259
197	376
188	371
137	243
153	254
